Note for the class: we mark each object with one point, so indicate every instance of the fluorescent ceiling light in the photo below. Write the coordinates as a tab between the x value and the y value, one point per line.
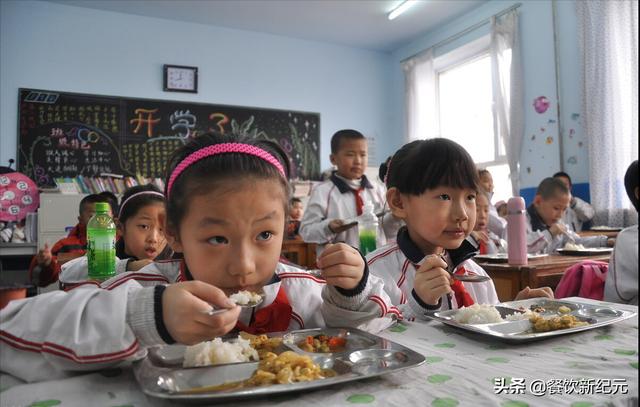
401	8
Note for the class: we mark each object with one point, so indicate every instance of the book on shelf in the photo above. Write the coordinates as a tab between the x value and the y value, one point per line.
114	183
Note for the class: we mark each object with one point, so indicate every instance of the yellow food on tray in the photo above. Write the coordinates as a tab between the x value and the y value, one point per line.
541	324
262	343
285	368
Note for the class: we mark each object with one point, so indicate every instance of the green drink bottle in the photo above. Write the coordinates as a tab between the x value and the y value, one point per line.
367	229
101	244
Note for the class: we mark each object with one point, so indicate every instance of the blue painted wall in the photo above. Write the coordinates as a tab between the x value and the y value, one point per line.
58	47
540	155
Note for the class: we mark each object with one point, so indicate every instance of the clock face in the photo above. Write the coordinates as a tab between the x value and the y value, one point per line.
181	79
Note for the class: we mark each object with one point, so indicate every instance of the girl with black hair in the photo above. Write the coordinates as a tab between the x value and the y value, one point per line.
432	186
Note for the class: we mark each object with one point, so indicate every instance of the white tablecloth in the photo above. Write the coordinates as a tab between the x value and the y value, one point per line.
461	370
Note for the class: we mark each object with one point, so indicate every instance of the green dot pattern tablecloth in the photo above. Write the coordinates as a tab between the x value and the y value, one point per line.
461	369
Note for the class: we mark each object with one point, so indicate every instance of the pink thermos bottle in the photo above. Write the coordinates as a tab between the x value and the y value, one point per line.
517	231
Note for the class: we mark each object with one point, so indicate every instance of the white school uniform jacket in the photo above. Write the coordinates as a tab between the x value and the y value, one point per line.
540	240
396	263
89	327
334	199
497	224
622	278
579	212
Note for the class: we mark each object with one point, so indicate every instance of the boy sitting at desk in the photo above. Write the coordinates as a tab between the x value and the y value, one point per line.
45	266
546	232
579	211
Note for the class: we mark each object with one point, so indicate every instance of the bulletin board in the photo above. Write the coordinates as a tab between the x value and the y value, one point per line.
64	134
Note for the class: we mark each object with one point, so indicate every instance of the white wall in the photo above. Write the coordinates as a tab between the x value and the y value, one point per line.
57	47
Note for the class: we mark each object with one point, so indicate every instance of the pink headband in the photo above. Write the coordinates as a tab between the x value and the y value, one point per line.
138	194
222	149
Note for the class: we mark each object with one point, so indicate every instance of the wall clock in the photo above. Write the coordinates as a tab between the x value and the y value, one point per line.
179	78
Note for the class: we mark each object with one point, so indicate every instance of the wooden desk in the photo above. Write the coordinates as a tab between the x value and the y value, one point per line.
546	271
607	233
299	252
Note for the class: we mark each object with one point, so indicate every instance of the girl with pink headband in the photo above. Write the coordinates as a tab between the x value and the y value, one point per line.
227	202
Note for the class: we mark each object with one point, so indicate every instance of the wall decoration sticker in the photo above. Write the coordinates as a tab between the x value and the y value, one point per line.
549	140
574	116
572	160
541	104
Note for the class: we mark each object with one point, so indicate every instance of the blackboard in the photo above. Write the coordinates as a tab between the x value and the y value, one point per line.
64	134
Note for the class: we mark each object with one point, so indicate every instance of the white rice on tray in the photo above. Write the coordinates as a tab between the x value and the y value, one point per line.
217	352
485	314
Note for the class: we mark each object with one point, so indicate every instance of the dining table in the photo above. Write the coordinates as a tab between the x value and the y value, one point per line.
542	271
588	368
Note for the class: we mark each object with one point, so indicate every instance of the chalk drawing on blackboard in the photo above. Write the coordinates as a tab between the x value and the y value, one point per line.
184	123
306	156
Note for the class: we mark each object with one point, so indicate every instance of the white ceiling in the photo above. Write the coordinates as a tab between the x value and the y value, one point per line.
355	23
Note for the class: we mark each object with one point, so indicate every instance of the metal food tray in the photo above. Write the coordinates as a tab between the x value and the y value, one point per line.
521	331
589	251
160	374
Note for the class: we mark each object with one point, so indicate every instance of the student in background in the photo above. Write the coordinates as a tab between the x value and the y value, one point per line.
140	225
296	210
432	186
334	204
497	224
579	211
227	200
622	278
501	208
485	240
111	199
45	265
546	232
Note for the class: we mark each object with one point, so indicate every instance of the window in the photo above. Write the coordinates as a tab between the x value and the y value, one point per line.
465	109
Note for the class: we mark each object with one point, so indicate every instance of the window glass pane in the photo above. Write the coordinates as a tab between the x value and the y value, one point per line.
501	182
465	102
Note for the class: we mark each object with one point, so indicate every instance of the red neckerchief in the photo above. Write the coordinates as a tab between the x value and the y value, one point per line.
483	247
462	296
359	201
272	318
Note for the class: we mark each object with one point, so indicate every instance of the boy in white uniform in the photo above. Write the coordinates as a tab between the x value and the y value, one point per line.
622	279
579	211
335	203
546	232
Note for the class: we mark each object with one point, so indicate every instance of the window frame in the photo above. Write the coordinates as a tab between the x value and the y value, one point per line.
461	55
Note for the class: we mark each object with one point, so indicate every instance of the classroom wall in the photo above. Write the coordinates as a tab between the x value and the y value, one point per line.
58	47
540	155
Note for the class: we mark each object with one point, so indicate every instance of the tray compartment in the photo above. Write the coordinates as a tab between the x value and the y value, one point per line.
356	340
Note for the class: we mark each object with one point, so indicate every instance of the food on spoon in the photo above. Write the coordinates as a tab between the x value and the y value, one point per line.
245	297
217	352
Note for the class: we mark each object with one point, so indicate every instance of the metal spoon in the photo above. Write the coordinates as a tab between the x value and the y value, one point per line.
216	311
469	278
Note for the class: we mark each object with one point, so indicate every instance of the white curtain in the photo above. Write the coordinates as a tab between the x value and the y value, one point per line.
421	96
507	90
608	39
